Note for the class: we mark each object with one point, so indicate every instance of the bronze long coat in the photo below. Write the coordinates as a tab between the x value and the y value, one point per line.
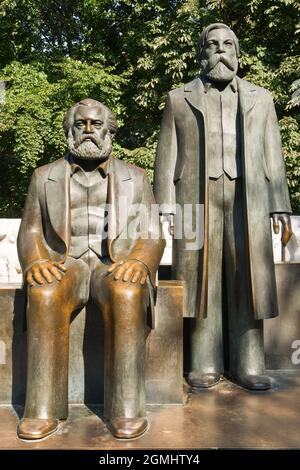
181	177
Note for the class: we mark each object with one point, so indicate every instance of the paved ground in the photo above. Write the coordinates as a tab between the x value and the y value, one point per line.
222	417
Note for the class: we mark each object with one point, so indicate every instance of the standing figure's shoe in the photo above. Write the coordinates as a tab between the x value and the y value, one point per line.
36	428
128	428
253	382
198	380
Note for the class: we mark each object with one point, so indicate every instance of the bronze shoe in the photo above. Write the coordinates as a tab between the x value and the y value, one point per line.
36	428
253	382
198	380
128	428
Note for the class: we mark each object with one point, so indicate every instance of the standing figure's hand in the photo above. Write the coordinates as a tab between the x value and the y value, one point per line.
169	218
287	231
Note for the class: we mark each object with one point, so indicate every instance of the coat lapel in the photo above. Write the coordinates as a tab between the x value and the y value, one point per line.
57	198
194	94
247	96
120	196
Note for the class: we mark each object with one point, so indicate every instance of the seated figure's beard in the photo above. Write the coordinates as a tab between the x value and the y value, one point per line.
89	149
219	68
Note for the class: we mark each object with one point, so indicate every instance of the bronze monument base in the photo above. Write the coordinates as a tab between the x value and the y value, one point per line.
223	417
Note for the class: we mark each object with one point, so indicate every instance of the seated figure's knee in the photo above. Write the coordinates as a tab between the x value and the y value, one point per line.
42	290
124	291
46	294
44	304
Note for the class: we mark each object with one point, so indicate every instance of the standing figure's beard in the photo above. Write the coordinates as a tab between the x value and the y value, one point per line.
219	68
90	149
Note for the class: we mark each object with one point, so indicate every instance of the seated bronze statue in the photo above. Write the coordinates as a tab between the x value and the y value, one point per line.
77	241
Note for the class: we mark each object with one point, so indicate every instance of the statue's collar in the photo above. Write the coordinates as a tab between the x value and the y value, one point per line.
103	167
207	84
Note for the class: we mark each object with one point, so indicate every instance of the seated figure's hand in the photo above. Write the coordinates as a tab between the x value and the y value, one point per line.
129	270
44	271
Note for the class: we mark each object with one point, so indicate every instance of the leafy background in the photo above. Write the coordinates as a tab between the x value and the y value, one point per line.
128	54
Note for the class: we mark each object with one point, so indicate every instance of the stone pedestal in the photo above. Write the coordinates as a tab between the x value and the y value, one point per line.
282	332
164	358
12	344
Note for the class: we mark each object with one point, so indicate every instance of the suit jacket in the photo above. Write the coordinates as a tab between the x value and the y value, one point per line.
45	229
181	176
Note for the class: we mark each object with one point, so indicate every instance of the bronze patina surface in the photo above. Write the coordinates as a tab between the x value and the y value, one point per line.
220	148
76	242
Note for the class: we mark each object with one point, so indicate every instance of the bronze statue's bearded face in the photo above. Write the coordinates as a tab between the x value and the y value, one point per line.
90	137
219	60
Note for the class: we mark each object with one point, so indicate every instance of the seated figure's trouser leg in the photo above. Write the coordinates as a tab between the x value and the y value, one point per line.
246	352
124	308
206	345
48	322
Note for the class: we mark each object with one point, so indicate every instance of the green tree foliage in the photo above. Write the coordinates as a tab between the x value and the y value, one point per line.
129	53
31	131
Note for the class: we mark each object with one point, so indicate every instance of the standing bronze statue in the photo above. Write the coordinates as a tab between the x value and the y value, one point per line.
220	146
78	240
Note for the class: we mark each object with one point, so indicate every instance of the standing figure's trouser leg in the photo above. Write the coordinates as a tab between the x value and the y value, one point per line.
48	318
206	334
246	352
124	308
